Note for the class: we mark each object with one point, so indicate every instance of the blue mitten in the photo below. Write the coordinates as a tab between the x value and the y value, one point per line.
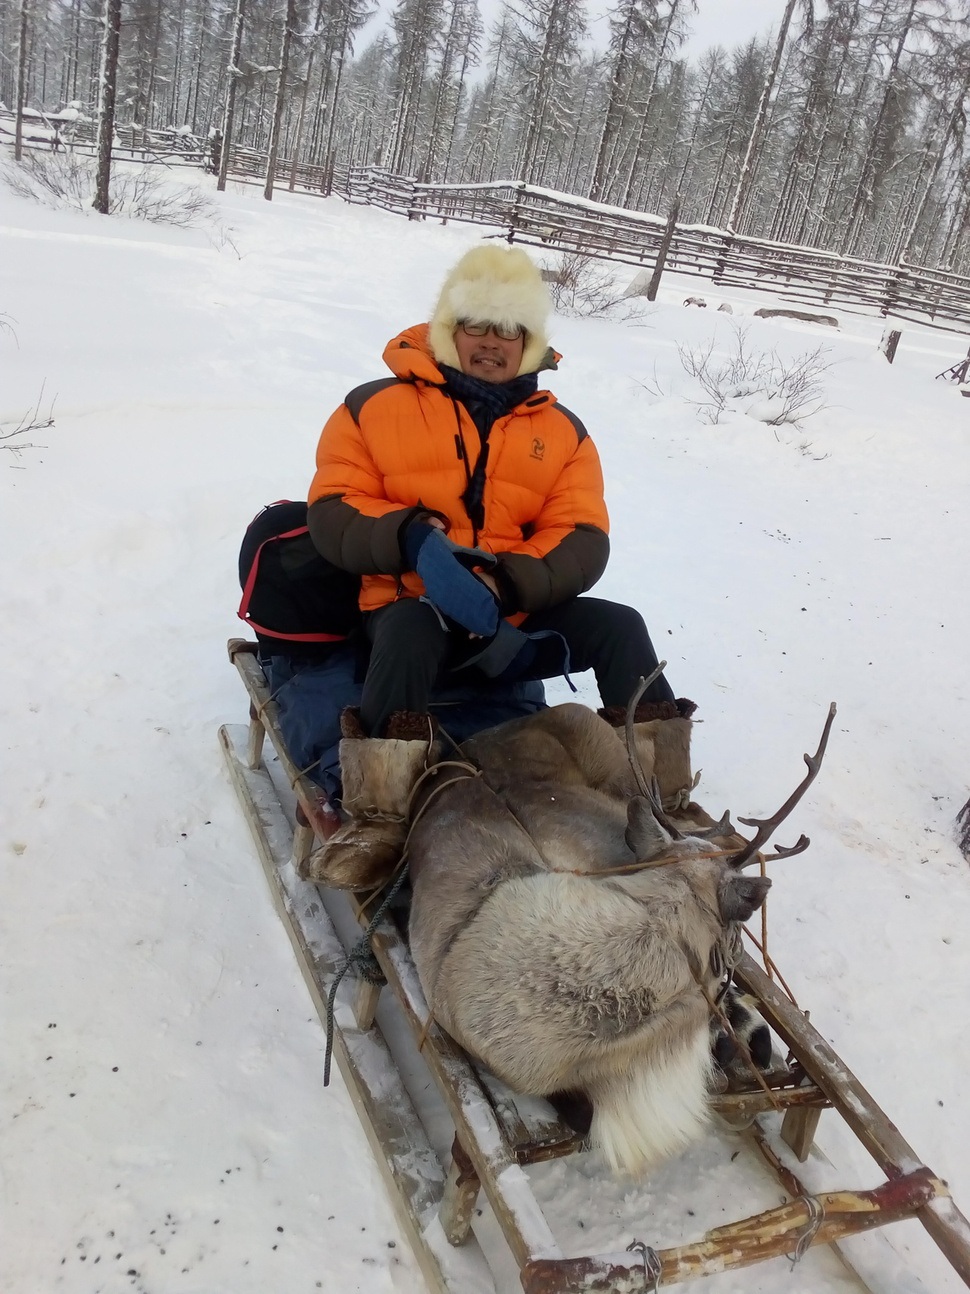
448	581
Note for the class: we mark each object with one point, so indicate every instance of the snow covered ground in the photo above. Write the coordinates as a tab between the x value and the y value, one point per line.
164	1123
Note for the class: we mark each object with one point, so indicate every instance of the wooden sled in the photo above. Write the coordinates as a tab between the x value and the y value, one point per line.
496	1137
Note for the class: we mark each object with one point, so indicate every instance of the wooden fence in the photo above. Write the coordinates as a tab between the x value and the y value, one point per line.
541	217
250	164
133	144
562	222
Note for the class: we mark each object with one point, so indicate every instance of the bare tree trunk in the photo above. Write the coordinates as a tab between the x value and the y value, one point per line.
176	81
228	119
193	96
109	80
18	139
274	139
952	127
614	111
861	201
638	152
297	149
329	155
743	190
446	169
75	51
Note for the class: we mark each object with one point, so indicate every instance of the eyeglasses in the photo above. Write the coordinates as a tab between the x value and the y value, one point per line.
506	333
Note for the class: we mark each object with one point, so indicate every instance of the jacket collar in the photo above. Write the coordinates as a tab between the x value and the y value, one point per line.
409	357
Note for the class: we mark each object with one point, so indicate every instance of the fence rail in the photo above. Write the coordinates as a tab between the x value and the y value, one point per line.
560	221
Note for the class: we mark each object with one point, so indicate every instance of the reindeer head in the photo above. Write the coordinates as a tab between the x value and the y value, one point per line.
655	840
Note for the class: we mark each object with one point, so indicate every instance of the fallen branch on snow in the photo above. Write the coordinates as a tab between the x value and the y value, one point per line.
31	421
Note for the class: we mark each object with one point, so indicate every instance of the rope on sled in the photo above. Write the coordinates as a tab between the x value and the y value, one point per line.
652	1266
361	957
362	960
816	1216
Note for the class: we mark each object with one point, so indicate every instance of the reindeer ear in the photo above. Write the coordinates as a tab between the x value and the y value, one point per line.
739	896
644	834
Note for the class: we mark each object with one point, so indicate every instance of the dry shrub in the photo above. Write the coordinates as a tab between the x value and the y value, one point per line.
584	287
760	383
67	180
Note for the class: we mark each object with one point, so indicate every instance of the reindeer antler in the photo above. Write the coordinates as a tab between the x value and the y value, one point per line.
766	826
724	827
651	792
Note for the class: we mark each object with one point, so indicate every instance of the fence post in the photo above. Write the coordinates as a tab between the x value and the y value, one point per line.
891	299
890	340
663	249
720	265
514	211
413	213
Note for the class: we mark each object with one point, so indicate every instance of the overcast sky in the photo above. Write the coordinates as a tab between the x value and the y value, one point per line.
717	22
731	22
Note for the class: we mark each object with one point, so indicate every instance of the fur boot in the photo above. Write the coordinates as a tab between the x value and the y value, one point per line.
378	775
662	733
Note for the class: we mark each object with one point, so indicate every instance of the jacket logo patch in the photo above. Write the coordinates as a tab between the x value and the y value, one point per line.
538	449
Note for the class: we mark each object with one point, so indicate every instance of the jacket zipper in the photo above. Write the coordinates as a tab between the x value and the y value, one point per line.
462	451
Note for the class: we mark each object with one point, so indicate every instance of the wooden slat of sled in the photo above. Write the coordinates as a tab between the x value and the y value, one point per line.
410	1168
814	1220
939	1215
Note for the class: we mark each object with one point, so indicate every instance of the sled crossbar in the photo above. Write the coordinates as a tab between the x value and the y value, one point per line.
495	1138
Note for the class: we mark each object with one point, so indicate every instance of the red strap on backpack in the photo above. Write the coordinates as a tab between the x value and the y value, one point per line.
243	612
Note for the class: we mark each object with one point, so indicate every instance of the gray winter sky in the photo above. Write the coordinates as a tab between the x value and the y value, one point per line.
731	22
717	22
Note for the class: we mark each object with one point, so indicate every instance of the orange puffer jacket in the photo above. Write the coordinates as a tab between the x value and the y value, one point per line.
403	445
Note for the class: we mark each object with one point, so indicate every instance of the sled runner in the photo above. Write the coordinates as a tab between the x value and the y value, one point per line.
497	1136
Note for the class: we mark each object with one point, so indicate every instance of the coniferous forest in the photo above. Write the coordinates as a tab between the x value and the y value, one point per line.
843	128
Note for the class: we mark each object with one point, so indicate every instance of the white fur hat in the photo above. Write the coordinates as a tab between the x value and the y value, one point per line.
492	284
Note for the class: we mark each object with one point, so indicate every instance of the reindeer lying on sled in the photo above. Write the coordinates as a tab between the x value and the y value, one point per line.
568	935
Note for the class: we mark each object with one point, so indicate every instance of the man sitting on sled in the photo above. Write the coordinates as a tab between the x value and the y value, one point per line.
471	504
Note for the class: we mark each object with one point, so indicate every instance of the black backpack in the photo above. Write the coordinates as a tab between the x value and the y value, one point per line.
290	593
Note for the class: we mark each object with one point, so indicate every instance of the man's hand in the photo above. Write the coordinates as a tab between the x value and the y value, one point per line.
490	582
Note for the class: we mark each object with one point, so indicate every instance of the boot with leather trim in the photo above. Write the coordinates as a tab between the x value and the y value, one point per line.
661	731
378	776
